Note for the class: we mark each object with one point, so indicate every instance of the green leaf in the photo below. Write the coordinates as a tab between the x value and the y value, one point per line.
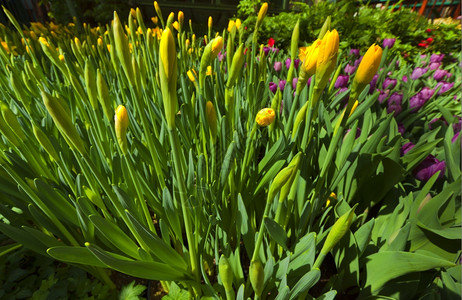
176	293
171	214
227	164
385	266
131	291
397	241
363	235
157	246
242	218
116	236
283	293
305	283
270	174
327	296
142	269
76	255
276	232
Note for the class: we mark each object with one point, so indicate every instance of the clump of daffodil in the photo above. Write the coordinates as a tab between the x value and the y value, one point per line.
367	69
121	125
168	76
265	117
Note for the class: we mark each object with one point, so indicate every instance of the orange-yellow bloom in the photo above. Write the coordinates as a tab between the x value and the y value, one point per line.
265	117
367	68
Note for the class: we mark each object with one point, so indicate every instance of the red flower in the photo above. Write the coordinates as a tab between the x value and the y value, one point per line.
245	51
429	40
271	42
428	30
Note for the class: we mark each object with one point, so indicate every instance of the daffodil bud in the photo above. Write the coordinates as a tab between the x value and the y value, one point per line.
325	27
63	121
217	45
238	23
265	117
308	67
327	58
294	40
211	117
231	25
158	11
226	273
338	230
367	69
90	84
140	19
210	23
279	181
261	14
122	48
121	125
42	138
180	19
236	65
103	95
295	162
301	115
168	78
257	277
12	121
170	19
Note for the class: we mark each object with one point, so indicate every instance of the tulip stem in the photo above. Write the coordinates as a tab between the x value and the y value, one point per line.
261	231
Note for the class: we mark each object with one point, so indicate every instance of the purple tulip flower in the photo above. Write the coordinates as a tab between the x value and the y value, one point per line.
373	83
349	69
404	78
436	58
445	86
401	128
418	72
383	95
358	61
282	84
426	169
434	65
296	63
266	50
294	82
278	66
426	93
354	52
273	87
440	74
388	43
454	138
394	103
342	81
406	148
288	61
389	83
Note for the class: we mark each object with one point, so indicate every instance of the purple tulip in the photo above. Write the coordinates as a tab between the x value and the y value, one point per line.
434	65
282	84
406	148
221	55
342	81
426	169
389	83
278	66
404	78
440	74
288	61
430	124
418	72
457	126
426	93
388	43
454	138
273	87
266	50
373	83
349	69
294	82
394	103
383	95
401	128
354	52
357	135
436	58
341	90
296	63
358	61
445	86
415	103
308	82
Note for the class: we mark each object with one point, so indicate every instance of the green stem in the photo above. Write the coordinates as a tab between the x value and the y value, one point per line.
261	231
